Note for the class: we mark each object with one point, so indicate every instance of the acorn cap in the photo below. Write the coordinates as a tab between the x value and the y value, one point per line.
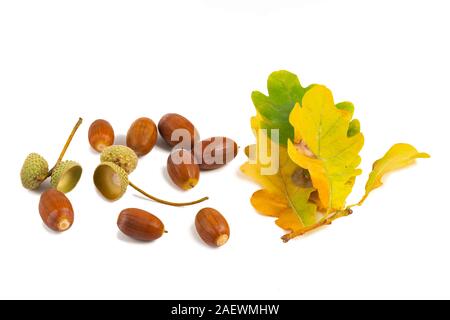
111	180
34	171
122	156
65	176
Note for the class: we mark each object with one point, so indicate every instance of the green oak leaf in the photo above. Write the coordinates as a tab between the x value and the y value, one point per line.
273	111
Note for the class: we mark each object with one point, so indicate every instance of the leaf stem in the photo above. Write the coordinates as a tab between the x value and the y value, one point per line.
169	203
323	222
358	204
363	199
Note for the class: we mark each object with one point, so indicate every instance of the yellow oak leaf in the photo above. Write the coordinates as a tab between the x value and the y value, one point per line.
276	205
286	190
322	145
399	156
317	155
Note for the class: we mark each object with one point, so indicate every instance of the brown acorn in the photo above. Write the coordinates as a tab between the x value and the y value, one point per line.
56	210
101	135
182	169
212	227
176	129
142	136
215	152
140	225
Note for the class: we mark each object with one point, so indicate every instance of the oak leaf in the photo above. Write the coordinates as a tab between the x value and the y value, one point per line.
285	194
331	156
399	156
273	110
317	155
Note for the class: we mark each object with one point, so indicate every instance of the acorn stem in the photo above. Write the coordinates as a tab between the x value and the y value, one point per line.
174	204
69	140
66	146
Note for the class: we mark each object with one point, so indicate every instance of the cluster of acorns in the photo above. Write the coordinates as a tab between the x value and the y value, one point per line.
117	162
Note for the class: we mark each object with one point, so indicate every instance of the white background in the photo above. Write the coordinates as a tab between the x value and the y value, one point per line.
120	60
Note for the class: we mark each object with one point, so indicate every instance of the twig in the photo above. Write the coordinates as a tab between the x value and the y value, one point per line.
325	221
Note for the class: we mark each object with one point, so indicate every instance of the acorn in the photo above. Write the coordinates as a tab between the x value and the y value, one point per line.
56	210
35	168
212	227
65	176
182	169
101	135
140	225
122	156
176	129
215	152
112	182
34	171
142	136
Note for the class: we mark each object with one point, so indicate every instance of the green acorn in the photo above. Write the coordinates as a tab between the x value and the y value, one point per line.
65	176
34	171
112	182
122	156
